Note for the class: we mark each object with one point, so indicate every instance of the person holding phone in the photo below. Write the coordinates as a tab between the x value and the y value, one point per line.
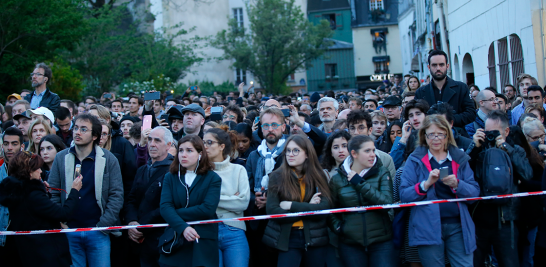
298	185
437	169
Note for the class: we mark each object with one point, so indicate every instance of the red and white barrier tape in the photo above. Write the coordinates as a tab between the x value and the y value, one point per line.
274	216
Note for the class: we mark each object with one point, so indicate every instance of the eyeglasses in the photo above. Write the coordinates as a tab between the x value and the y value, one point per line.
360	128
231	117
36	74
294	151
432	136
531	98
272	126
494	99
82	130
534	138
209	143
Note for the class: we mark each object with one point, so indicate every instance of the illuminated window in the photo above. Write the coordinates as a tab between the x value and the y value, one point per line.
376	4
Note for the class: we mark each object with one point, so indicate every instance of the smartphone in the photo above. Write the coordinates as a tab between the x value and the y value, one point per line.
151	96
164	117
147	122
444	172
318	191
257	119
286	112
216	113
216	109
299	98
77	170
107	95
193	88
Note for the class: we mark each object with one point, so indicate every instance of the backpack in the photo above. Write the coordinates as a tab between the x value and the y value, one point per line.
496	175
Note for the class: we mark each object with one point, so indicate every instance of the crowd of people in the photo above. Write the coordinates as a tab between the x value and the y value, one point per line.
180	158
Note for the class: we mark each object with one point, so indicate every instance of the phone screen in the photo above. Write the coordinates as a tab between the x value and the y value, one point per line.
147	122
151	96
256	120
216	110
444	172
286	112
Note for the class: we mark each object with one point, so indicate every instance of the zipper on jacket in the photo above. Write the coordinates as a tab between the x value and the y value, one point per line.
306	245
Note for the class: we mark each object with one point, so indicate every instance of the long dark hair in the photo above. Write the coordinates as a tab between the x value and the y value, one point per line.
388	141
24	163
517	137
288	188
328	161
204	163
55	140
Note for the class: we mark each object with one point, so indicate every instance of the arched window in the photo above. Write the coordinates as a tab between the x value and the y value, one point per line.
516	54
491	66
504	70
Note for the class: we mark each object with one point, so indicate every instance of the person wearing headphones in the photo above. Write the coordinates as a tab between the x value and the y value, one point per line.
191	192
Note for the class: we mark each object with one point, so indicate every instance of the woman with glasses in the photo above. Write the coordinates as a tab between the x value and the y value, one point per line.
234	197
298	185
27	200
191	192
37	130
50	145
437	169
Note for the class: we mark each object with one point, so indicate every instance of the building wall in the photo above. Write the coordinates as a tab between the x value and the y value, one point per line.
364	50
405	20
475	24
539	23
343	19
344	59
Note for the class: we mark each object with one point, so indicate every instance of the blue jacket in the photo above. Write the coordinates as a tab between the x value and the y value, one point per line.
425	227
4	213
471	127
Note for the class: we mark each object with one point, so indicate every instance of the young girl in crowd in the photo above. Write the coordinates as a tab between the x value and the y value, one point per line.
445	227
37	130
106	135
335	152
365	239
298	185
245	143
413	84
191	192
234	197
50	145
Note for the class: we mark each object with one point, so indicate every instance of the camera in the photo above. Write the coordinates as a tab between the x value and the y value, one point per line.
491	136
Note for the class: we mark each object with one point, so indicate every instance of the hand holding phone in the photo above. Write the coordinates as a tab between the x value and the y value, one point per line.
444	172
147	122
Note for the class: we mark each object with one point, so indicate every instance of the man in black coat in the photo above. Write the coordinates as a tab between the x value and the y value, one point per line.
42	96
144	199
444	89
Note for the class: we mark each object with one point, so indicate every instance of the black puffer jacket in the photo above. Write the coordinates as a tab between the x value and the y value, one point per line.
30	209
375	188
277	233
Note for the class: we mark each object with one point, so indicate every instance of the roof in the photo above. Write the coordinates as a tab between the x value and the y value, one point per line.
337	44
319	5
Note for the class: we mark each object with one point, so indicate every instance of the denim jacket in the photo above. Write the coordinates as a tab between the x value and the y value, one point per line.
4	213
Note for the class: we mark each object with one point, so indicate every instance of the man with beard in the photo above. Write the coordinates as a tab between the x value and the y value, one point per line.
101	194
42	96
444	89
12	143
328	109
260	163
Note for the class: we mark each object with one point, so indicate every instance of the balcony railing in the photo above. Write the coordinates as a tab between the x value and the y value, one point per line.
331	83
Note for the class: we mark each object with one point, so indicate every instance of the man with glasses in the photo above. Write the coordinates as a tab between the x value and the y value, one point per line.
42	96
232	113
101	194
487	101
260	163
510	93
392	107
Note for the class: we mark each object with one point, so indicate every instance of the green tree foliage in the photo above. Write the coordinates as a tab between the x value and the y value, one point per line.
67	81
280	41
31	31
116	51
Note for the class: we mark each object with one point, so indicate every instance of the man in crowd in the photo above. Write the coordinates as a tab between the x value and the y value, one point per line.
392	107
101	194
19	107
531	93
135	103
487	102
494	221
443	88
359	122
12	143
299	124
510	92
70	106
370	105
63	119
328	109
22	122
143	200
355	103
307	109
42	96
117	106
504	105
407	97
12	98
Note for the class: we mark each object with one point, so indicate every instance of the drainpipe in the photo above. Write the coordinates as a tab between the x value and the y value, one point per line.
443	30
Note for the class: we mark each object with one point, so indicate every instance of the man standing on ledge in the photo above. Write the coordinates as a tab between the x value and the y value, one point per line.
42	96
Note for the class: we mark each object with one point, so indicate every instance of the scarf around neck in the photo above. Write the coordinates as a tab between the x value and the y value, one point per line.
267	160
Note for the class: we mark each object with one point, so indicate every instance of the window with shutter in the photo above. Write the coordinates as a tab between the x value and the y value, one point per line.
339	21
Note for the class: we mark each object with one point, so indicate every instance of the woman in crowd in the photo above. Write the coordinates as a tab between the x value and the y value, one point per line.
536	109
335	152
379	131
534	133
245	143
234	197
298	185
210	125
413	84
50	145
191	192
445	227
365	239
27	200
394	130
105	135
37	129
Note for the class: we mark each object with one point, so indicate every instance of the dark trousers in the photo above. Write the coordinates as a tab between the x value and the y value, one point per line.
381	254
260	254
501	241
311	256
8	253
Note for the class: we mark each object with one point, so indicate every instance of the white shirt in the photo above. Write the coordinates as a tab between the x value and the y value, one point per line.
189	177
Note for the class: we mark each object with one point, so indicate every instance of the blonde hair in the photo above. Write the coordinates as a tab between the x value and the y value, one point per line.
440	122
31	144
102	111
378	113
108	143
531	124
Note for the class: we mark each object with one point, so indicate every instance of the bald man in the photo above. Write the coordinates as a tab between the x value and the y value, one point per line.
343	114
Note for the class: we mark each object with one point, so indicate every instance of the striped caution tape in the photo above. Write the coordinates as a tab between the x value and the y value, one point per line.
274	216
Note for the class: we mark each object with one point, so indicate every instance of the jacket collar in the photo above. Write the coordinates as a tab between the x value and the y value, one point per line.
456	154
447	93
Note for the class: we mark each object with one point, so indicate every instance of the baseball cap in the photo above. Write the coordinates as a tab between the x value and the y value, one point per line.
27	114
43	111
18	96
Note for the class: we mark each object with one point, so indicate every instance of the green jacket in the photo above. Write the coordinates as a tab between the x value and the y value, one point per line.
375	188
